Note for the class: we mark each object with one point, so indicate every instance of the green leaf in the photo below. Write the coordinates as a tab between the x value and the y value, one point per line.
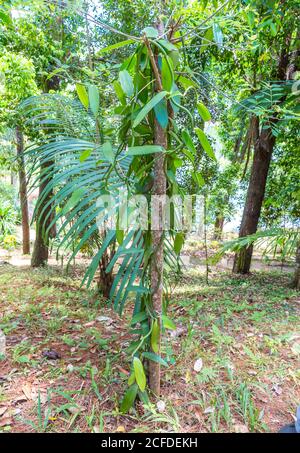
187	139
85	154
203	111
149	106
139	373
76	196
119	91
126	83
108	151
5	18
139	317
94	99
129	399
250	18
189	155
144	398
150	32
155	358
120	236
205	143
131	379
198	178
146	149
161	113
207	40
168	323
167	77
178	242
167	45
118	45
83	95
186	83
155	336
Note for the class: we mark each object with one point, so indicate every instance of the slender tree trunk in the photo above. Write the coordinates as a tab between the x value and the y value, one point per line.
263	149
297	269
218	229
23	192
264	142
40	252
159	189
106	279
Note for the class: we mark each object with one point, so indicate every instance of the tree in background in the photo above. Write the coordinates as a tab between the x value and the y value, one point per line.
18	82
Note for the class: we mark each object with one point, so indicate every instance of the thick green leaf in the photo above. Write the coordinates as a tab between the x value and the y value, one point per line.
5	18
139	317
108	151
85	154
155	358
187	139
198	178
207	40
150	32
120	236
118	45
146	149
76	196
203	111
167	74
131	379
126	82
119	92
155	336
139	373
149	106
205	143
185	82
161	113
94	99
83	95
167	45
129	399
178	242
168	323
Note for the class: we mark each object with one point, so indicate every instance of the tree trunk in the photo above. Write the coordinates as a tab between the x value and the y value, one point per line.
106	279
40	252
218	229
297	269
264	142
23	192
263	149
159	189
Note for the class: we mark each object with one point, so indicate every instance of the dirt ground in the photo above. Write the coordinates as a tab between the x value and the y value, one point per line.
245	330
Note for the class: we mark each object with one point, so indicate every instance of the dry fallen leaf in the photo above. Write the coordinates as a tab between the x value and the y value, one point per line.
89	324
197	412
3	410
209	410
27	390
198	365
241	429
161	406
121	429
76	409
5	421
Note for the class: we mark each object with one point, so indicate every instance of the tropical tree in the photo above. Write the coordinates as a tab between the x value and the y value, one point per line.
143	159
18	82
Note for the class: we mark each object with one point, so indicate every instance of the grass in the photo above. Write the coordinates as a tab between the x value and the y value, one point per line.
245	330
